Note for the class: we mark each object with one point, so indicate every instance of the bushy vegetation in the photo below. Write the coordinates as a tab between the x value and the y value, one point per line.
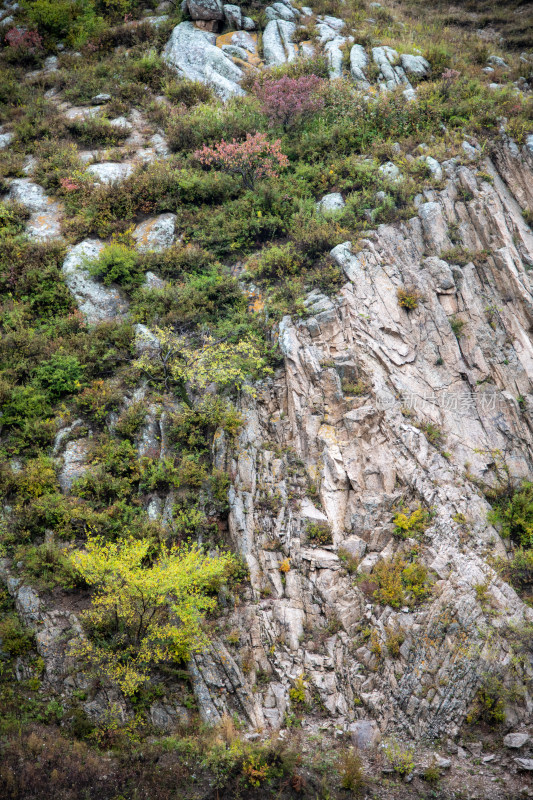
152	416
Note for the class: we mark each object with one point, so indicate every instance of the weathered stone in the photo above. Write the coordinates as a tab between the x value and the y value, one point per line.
390	171
415	65
364	734
516	740
5	139
524	764
95	301
280	11
206	9
233	16
358	62
74	463
98	99
496	61
110	172
155	234
278	46
194	55
331	202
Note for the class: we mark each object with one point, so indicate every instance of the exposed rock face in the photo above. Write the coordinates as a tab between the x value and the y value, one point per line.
329	35
415	65
391	76
358	62
155	234
331	202
278	45
193	54
45	216
365	455
206	9
110	172
95	301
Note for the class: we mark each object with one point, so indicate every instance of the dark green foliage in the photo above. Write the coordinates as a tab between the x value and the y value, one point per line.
513	514
195	301
489	705
58	376
319	533
117	264
15	638
193	428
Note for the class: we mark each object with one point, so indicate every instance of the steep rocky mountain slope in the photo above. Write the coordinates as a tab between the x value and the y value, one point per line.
266	291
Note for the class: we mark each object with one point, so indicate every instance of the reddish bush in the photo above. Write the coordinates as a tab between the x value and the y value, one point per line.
23	44
288	101
252	159
449	77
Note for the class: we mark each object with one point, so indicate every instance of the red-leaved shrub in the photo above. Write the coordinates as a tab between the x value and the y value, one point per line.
23	44
253	159
289	101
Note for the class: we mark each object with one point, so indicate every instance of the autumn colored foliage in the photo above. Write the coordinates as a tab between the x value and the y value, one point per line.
289	101
253	159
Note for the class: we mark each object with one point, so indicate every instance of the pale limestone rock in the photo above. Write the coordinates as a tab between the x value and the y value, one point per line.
74	466
110	172
194	55
278	46
233	16
206	9
516	740
331	202
415	65
156	234
96	301
364	734
358	62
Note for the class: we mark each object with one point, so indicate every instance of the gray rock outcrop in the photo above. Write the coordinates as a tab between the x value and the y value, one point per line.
194	55
96	301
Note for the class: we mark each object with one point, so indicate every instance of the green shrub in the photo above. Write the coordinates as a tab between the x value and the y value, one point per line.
117	264
193	428
72	19
195	301
131	420
276	261
12	219
488	705
513	515
15	638
58	376
457	324
47	566
190	93
298	693
408	298
99	398
412	525
518	571
97	131
25	404
351	771
319	533
400	583
399	756
395	637
457	255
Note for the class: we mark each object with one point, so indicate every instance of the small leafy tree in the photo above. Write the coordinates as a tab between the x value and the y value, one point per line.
145	613
175	361
253	159
289	101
